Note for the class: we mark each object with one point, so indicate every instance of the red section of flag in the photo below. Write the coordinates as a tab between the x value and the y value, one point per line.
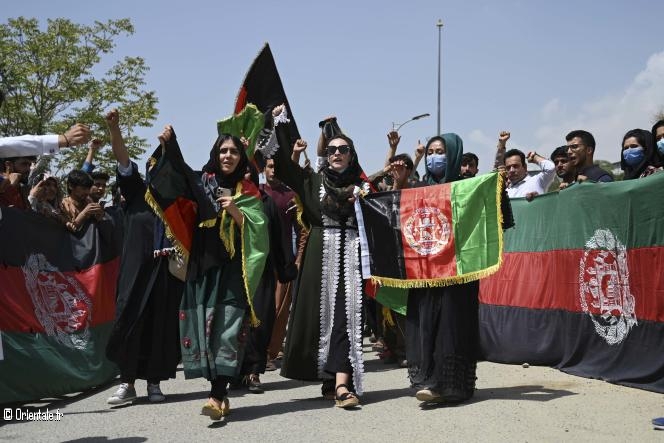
181	219
370	288
551	280
250	189
68	300
427	233
241	100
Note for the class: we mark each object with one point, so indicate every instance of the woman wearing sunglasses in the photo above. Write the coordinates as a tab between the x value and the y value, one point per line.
324	338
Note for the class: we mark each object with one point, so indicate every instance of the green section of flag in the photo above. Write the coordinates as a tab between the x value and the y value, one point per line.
476	223
36	366
248	123
393	298
632	210
255	240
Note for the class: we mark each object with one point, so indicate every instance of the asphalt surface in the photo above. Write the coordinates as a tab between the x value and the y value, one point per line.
513	403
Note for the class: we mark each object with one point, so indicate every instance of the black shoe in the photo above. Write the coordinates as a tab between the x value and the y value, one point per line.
253	383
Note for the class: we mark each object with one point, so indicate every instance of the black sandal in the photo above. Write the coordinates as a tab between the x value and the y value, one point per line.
347	399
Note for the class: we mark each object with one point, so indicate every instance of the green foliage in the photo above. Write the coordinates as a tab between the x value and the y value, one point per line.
53	78
611	168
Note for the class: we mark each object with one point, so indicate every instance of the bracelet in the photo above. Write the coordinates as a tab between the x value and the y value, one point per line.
66	139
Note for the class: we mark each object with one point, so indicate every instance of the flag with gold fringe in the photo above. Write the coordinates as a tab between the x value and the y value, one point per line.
175	192
432	236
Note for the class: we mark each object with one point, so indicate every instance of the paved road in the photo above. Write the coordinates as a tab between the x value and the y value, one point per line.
512	404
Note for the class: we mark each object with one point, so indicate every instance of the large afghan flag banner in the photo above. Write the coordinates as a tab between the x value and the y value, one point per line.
432	236
57	305
581	287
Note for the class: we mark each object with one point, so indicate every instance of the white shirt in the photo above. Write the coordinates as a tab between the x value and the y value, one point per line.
534	183
28	145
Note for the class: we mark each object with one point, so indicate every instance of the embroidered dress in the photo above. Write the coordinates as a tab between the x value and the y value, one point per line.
325	328
226	260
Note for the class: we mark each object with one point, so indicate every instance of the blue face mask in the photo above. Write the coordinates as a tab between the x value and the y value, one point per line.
660	146
633	156
436	164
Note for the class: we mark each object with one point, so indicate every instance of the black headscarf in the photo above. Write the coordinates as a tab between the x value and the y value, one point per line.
647	142
213	166
339	186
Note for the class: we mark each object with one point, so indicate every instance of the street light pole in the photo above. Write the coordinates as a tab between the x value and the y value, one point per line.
440	27
399	125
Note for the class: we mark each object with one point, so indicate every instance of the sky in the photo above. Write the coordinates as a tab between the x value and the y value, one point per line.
536	68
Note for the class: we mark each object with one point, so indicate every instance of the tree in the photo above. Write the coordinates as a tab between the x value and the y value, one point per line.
611	168
51	79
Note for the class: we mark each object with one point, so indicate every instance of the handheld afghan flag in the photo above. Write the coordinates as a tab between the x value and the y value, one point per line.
57	305
581	287
247	123
175	192
262	87
432	236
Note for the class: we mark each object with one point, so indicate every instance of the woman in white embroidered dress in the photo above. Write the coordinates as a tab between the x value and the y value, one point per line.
324	340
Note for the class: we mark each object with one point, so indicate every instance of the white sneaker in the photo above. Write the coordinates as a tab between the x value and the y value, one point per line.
428	395
124	394
154	393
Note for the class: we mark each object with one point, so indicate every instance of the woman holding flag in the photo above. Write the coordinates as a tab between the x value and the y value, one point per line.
217	221
442	324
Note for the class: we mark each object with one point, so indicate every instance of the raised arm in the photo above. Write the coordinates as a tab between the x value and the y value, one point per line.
499	163
393	138
117	142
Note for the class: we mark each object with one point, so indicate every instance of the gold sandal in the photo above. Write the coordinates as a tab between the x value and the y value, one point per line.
215	412
347	399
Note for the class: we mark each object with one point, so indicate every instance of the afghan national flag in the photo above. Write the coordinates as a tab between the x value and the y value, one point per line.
581	287
57	305
262	87
433	236
176	194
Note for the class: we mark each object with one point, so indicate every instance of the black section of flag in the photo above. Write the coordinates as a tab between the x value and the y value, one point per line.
262	86
382	219
568	341
23	233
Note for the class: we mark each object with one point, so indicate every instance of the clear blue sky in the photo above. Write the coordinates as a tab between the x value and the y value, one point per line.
536	68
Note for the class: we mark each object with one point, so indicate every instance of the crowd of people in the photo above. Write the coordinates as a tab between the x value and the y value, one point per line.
272	277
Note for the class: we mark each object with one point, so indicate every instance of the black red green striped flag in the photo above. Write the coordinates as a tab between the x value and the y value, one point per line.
57	306
581	287
433	236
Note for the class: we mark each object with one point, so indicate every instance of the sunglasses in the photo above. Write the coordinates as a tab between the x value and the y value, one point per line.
343	149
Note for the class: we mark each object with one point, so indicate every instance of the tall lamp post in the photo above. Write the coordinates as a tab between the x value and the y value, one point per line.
440	27
397	126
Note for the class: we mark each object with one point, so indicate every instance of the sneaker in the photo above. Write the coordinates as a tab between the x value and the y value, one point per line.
658	423
124	394
154	393
429	396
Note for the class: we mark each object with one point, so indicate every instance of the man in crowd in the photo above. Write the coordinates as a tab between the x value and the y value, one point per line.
564	169
469	163
580	149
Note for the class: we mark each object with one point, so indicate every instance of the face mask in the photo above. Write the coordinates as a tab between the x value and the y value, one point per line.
633	156
660	146
436	164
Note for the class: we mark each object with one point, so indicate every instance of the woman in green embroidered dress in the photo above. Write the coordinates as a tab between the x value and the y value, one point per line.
226	259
